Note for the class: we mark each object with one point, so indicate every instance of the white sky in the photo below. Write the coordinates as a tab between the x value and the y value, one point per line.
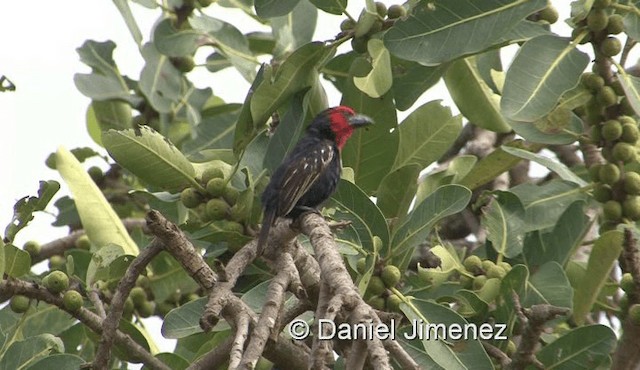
37	52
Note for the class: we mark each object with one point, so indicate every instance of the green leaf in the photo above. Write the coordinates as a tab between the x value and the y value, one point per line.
297	72
447	353
100	260
584	347
410	80
560	127
287	133
172	360
58	361
546	203
378	81
105	81
516	282
438	275
214	132
230	42
168	277
354	205
559	244
44	318
473	96
367	18
445	201
110	114
394	203
426	134
21	354
150	156
559	168
274	8
525	30
294	30
3	262
172	42
16	261
504	219
477	24
631	23
184	320
246	130
331	6
544	69
370	152
101	223
549	285
604	254
25	207
127	15
631	87
457	169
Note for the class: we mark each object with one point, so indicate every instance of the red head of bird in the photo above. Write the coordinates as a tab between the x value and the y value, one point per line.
338	123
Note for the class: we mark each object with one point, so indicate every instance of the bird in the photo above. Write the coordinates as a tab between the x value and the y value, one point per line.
309	174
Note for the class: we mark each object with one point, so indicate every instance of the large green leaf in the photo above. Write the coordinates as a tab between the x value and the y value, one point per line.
504	220
631	86
559	244
274	8
378	81
21	354
560	127
445	201
426	134
546	203
295	29
151	157
215	132
549	285
99	220
410	80
354	205
585	347
287	133
16	261
394	203
246	130
426	35
457	169
604	254
559	168
370	152
473	96
58	361
297	72
105	81
447	353
544	69
331	6
184	320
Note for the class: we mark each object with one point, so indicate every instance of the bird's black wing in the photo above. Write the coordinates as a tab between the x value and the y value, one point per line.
298	178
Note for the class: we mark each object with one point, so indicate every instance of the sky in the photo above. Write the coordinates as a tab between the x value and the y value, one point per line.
37	53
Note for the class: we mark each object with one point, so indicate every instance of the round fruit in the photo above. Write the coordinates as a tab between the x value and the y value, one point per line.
466	281
611	130
592	81
230	194
630	133
212	173
594	172
183	64
217	209
146	309
624	303
83	242
632	183
478	282
232	226
376	302
606	96
215	187
496	272
72	300
616	24
19	304
57	262
95	173
602	193
505	265
601	4
375	27
32	247
56	282
612	210
347	25
391	275
361	265
138	296
549	14
381	9
611	46
376	286
142	281
631	208
239	213
472	263
486	265
626	283
359	45
511	348
627	119
624	152
625	106
190	198
634	313
128	306
597	20
396	11
393	302
609	173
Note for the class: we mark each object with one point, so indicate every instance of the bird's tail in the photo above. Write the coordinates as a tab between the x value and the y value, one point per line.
268	220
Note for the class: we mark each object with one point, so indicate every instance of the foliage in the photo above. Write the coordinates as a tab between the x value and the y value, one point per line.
443	222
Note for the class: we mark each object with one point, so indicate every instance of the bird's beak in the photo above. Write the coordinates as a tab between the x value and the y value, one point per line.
360	120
